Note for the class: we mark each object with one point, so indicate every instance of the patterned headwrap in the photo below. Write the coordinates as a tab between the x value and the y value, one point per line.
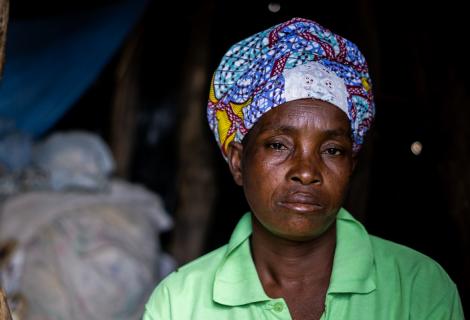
293	60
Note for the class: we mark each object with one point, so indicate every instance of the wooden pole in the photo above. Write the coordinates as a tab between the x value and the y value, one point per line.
4	6
4	310
454	169
126	105
196	180
4	11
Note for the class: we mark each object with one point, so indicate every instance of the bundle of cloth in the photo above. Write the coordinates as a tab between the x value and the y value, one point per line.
85	248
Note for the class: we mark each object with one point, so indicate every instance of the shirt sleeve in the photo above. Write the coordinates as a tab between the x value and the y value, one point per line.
438	297
448	308
158	306
457	310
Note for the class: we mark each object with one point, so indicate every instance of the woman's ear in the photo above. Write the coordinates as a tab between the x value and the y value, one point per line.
234	158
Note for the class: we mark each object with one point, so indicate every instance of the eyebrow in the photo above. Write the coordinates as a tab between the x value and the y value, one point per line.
337	133
281	129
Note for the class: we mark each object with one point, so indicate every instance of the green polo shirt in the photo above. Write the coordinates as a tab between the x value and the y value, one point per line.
371	279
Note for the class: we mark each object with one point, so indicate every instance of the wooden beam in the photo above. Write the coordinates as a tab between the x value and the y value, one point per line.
4	12
4	310
196	174
126	104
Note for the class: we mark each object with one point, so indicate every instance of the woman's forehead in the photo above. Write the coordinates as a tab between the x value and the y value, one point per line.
303	114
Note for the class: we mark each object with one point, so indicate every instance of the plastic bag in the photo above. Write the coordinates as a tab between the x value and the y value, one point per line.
87	256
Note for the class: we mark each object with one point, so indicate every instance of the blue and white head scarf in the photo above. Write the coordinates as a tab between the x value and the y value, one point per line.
293	60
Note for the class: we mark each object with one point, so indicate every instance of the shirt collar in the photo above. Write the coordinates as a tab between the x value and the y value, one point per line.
353	264
237	283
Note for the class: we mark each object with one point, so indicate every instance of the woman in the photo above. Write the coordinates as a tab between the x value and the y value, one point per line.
290	107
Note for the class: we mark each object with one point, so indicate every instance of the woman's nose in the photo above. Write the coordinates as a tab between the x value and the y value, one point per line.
305	169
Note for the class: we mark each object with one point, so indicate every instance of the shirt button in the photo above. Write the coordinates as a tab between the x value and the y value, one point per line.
278	306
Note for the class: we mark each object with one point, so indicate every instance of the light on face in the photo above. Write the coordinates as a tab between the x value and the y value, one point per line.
274	7
416	148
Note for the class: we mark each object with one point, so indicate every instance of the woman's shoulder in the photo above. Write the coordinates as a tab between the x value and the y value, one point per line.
200	270
177	293
391	253
415	272
419	279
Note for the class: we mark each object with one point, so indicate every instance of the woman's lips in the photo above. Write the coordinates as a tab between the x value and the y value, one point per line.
301	202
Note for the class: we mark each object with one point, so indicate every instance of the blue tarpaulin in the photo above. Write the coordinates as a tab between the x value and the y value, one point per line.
51	62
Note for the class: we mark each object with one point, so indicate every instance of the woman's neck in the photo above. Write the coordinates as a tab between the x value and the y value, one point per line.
285	265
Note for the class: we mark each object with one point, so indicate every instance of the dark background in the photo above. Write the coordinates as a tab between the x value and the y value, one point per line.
419	66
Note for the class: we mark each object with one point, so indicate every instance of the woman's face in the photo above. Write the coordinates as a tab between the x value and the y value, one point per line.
294	166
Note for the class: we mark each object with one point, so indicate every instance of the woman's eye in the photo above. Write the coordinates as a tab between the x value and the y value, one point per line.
334	151
277	146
